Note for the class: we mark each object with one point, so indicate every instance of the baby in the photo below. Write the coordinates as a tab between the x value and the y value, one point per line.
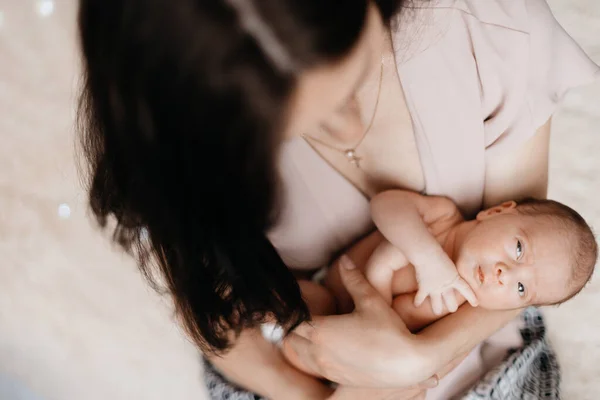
535	252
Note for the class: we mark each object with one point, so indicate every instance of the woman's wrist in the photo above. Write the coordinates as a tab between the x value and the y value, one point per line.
410	356
423	360
356	393
302	390
457	334
294	384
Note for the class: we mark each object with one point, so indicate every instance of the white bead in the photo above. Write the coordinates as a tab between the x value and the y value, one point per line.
272	333
45	7
64	211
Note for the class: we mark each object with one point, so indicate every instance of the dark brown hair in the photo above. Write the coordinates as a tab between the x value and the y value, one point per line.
581	238
180	118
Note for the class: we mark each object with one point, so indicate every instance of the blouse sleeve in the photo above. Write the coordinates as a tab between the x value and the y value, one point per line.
525	70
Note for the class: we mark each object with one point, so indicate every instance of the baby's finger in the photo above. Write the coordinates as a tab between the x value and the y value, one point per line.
450	300
464	289
436	304
420	298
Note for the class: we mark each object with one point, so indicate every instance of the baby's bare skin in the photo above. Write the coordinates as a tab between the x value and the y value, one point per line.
333	295
502	257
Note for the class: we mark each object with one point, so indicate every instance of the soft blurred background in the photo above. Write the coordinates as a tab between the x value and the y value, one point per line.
76	319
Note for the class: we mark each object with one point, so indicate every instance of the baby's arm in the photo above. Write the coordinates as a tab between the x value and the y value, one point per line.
383	263
404	218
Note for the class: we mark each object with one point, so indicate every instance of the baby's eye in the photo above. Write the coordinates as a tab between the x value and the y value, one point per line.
519	250
521	289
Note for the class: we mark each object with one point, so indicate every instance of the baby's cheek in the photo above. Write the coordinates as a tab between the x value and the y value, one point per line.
491	300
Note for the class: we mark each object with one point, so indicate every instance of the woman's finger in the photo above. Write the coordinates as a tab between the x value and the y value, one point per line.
308	329
430	383
362	293
298	350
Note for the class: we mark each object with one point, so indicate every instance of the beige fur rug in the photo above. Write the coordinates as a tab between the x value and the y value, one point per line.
76	320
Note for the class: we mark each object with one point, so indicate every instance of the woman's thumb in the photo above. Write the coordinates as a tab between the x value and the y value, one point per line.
356	283
430	383
365	296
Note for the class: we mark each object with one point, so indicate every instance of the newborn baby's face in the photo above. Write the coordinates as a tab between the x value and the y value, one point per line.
512	261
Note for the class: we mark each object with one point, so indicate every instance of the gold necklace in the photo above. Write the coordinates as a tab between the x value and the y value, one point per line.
350	153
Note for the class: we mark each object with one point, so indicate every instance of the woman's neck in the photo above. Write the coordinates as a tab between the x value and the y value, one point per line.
363	103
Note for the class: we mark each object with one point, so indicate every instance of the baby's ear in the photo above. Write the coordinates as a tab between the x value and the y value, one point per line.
504	208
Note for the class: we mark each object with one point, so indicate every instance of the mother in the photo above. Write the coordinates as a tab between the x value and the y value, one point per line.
246	137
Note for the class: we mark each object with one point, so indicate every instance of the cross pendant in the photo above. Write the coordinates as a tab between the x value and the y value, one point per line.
352	157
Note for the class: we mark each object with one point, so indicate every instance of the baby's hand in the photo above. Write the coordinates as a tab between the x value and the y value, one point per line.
439	283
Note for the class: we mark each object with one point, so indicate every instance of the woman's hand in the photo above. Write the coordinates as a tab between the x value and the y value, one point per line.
417	392
371	347
259	367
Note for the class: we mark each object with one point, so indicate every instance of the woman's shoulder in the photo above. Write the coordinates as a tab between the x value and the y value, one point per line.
518	15
511	25
514	51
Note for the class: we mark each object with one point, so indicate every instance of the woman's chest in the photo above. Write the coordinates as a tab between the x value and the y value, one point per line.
324	209
325	206
387	156
321	212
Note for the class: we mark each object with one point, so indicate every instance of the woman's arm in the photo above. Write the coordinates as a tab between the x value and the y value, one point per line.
459	333
258	366
417	318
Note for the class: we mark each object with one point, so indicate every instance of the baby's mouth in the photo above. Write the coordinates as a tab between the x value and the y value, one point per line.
480	275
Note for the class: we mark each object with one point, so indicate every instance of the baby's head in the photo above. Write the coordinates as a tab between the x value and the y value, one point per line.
536	252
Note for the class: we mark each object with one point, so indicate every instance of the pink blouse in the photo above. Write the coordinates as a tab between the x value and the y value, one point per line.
479	77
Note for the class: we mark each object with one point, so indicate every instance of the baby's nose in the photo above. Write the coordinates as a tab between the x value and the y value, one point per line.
500	274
